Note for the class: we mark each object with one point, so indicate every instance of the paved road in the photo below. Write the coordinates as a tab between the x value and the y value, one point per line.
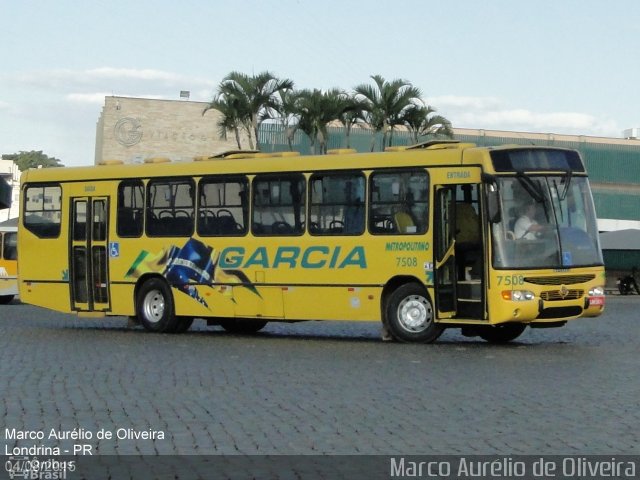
322	388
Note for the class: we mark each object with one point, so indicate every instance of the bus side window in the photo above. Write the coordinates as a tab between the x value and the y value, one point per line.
10	250
170	208
130	208
222	208
278	204
337	204
43	210
399	202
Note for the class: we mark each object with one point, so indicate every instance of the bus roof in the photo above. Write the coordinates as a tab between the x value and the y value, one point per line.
433	153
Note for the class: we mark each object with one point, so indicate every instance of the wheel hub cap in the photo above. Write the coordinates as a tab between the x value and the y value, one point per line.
154	306
415	313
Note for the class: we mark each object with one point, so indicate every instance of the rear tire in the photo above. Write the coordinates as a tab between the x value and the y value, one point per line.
154	307
409	315
248	325
503	333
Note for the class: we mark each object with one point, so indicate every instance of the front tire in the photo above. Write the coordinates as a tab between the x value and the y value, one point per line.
409	314
503	333
154	307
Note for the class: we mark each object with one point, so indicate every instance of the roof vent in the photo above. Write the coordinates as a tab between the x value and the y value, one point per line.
157	160
110	162
341	151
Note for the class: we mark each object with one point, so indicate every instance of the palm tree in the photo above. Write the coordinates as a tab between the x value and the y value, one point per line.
231	119
287	111
316	109
353	113
421	122
310	112
385	103
256	97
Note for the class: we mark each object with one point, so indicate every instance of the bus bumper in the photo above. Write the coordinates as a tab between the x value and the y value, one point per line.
539	311
593	306
586	307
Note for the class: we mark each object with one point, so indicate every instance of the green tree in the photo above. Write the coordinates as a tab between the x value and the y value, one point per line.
32	159
352	114
254	98
385	103
421	122
288	113
316	110
231	120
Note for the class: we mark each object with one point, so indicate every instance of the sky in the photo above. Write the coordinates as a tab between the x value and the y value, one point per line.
552	66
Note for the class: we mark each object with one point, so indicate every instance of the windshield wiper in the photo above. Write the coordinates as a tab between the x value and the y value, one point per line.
534	189
567	180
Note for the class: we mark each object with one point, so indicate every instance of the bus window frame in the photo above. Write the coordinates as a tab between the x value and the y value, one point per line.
355	174
15	246
371	204
268	177
131	182
220	179
29	226
149	209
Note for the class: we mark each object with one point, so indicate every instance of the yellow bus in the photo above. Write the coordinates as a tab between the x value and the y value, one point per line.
8	262
419	238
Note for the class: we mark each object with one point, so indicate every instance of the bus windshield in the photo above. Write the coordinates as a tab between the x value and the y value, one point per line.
548	221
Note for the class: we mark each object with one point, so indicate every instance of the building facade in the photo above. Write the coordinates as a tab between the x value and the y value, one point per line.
132	129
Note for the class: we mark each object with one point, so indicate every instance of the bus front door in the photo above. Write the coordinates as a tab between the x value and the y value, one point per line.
88	254
445	264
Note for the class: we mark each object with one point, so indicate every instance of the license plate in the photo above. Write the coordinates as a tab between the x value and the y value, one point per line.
596	301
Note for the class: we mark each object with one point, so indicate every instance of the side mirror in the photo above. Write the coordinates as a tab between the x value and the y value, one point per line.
494	213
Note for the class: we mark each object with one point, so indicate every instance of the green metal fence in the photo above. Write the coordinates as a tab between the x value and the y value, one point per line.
274	139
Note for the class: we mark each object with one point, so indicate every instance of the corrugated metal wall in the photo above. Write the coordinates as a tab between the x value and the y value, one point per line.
620	206
622	260
273	139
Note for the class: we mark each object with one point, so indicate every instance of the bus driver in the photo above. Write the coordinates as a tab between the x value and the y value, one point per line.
527	227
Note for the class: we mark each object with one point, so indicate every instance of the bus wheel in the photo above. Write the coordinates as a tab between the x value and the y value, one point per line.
410	315
4	299
154	306
502	333
242	325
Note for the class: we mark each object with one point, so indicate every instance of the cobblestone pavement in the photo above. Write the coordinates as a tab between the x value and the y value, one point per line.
321	388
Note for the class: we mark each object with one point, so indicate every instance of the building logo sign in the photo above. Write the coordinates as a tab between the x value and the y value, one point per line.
128	131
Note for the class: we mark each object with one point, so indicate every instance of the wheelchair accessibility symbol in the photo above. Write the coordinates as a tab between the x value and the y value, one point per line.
114	249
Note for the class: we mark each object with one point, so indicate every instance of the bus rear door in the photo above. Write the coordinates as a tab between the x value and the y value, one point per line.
88	254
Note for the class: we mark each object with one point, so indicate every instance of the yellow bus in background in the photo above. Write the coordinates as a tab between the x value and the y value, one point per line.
419	238
8	262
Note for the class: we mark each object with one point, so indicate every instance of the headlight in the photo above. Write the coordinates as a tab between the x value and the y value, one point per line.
517	295
596	292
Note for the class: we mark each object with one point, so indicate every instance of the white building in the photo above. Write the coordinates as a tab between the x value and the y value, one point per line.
9	173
